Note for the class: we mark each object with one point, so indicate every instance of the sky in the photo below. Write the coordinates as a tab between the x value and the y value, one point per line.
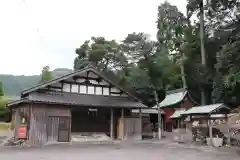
36	33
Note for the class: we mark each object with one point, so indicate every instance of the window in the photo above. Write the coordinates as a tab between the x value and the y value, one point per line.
90	90
99	90
105	91
74	88
66	87
83	89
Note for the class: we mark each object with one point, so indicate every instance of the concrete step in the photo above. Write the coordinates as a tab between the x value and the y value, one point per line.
79	137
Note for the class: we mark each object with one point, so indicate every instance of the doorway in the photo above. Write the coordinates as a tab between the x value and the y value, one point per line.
64	129
89	121
58	129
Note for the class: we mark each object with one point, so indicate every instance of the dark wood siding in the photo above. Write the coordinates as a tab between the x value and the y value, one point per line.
18	114
52	131
16	121
38	125
43	126
13	120
58	129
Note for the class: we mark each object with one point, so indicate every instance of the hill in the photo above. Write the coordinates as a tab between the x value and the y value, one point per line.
13	85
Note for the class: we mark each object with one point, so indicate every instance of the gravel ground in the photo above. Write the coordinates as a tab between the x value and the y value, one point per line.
120	151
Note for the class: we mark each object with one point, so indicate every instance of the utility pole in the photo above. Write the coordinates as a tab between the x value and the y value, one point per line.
159	116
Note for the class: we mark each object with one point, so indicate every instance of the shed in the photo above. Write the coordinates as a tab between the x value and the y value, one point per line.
208	112
218	108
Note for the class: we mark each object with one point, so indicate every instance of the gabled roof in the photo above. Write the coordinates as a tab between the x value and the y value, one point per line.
74	99
207	109
173	97
147	111
178	113
86	69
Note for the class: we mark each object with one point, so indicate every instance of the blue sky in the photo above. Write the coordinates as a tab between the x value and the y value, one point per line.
63	25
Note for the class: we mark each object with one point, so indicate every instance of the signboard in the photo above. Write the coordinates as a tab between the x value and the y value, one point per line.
22	132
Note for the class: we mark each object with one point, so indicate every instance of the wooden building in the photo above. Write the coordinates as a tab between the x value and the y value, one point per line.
85	101
175	102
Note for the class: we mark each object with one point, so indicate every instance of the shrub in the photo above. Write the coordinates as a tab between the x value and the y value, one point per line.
4	111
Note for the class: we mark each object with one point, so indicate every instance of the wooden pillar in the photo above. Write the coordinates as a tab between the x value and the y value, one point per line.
178	123
190	126
229	134
140	114
210	131
182	123
111	124
191	123
162	121
122	119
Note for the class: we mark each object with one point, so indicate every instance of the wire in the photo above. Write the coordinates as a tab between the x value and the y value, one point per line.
37	28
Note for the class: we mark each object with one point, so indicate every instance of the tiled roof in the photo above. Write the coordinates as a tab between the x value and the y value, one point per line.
85	100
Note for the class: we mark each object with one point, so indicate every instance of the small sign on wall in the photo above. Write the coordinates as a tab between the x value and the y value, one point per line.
22	132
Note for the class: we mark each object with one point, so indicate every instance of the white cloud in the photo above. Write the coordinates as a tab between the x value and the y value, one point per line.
63	25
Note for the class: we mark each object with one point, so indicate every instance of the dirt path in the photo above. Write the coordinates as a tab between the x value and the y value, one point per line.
142	151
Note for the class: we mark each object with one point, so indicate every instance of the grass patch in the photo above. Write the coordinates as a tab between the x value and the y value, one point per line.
5	126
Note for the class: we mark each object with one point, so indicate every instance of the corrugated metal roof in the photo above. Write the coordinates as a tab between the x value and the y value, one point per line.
12	103
173	98
178	113
147	111
213	116
12	98
204	109
217	116
85	100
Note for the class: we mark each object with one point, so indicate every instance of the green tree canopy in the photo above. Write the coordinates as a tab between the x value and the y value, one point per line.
46	74
1	89
175	59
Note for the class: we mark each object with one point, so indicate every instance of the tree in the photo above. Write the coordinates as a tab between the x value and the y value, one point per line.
197	5
100	52
229	66
221	42
203	54
1	89
177	59
129	60
4	112
46	74
147	74
171	26
181	41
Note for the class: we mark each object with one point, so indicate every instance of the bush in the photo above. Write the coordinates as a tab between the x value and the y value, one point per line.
5	126
3	102
4	111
